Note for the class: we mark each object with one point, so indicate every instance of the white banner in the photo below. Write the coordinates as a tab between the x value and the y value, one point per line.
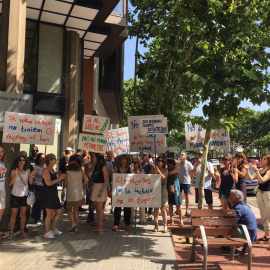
28	129
118	141
136	190
95	124
93	143
143	143
195	134
157	125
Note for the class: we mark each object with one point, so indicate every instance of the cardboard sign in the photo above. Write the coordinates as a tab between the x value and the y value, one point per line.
136	190
28	128
118	141
155	125
95	124
219	139
143	143
93	143
14	102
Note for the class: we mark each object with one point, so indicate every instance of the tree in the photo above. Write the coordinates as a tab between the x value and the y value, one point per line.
208	50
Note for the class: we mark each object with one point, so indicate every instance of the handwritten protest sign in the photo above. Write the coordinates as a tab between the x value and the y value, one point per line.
28	128
118	141
95	124
219	139
93	143
143	143
136	190
152	125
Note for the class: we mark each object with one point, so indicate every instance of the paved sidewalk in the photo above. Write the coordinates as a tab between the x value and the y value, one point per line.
88	250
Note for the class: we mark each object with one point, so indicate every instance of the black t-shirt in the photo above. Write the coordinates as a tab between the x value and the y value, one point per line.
62	164
78	159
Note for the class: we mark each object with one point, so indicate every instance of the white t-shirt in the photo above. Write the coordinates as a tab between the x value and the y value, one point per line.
19	189
185	169
2	177
208	178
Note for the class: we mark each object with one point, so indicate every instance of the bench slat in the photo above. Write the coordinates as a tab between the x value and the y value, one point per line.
216	231
217	242
213	213
214	221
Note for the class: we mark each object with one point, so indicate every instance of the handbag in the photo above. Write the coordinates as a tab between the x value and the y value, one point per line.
171	189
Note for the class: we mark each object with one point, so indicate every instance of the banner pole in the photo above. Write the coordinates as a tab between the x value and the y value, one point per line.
155	143
135	228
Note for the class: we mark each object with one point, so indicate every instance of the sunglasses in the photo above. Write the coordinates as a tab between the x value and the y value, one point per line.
226	159
238	157
160	160
182	154
23	160
34	150
135	162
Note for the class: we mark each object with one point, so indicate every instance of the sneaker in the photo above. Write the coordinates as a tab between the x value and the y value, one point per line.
115	228
56	232
227	252
48	235
38	222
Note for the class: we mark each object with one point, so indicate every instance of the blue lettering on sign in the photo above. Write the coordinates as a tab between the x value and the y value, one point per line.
144	148
143	191
127	191
134	125
118	190
110	144
200	129
190	128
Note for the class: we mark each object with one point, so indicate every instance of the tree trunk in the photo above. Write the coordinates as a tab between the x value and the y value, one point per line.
203	168
135	76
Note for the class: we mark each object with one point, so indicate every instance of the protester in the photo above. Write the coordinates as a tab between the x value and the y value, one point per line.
110	177
75	193
240	159
174	191
207	182
3	172
229	176
51	202
244	216
38	187
78	158
161	169
32	158
123	166
64	161
110	156
137	169
86	156
263	194
185	168
20	176
99	192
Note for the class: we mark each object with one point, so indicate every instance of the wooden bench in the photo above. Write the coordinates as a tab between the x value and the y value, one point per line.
215	223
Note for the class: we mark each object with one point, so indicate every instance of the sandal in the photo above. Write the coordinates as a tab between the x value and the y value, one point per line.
181	224
165	230
72	230
10	236
94	223
263	240
23	235
150	218
171	222
155	229
187	214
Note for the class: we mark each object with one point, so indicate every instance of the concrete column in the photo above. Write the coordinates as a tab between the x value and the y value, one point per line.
72	89
12	49
12	45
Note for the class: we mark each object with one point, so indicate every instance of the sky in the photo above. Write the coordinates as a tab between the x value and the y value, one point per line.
129	73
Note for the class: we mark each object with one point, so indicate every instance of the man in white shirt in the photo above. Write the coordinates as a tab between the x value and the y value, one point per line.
185	168
208	180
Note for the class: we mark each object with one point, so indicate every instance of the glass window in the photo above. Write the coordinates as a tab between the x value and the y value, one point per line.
50	59
30	61
119	8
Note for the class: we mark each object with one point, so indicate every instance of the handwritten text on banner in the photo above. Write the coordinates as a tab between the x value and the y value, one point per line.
136	190
156	125
118	141
143	143
28	128
95	124
219	139
93	143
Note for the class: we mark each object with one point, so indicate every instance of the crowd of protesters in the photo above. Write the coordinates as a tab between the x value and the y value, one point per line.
89	176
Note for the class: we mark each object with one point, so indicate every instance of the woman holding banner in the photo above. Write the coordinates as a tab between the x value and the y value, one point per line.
3	171
161	169
136	168
123	162
99	192
20	176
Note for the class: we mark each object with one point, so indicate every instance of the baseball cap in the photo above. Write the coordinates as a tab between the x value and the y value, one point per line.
69	149
200	152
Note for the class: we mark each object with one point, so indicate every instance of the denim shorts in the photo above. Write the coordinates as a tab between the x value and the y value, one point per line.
224	194
185	187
